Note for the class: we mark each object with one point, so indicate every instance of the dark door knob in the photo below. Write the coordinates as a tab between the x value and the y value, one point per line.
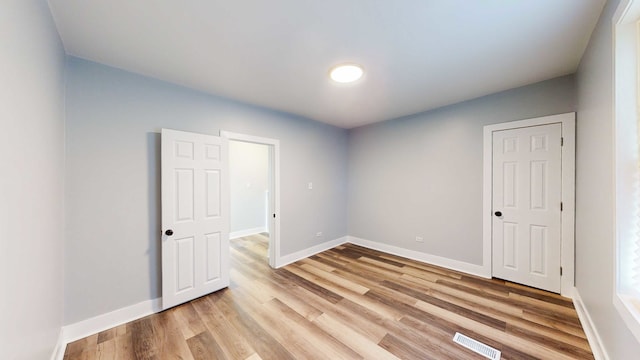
169	232
498	213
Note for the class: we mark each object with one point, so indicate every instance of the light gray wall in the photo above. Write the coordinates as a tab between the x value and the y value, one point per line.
113	192
249	180
422	175
594	190
32	180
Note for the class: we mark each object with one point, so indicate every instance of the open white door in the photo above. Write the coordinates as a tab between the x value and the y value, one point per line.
527	195
195	216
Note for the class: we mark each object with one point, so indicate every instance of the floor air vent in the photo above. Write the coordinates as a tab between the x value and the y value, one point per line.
477	346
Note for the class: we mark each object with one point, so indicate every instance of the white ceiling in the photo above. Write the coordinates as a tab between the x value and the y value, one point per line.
417	54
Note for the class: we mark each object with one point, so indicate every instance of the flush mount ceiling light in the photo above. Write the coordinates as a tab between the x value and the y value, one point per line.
346	73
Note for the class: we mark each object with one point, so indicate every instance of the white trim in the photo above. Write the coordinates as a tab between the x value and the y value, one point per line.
109	320
456	265
625	150
274	206
61	345
624	12
595	341
303	254
628	312
567	261
247	232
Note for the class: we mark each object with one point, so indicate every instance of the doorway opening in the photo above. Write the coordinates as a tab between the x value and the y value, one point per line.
254	195
249	198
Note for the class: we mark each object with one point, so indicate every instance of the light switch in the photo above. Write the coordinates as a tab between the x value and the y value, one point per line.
310	186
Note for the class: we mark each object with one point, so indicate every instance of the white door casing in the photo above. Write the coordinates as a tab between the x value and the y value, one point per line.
195	215
526	203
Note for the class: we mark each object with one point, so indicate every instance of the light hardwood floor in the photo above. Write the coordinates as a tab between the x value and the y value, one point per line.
347	303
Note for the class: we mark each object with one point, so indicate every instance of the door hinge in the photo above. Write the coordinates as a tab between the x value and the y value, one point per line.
561	206
562	141
560	270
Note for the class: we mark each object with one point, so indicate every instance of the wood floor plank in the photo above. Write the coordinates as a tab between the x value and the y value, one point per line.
424	321
516	342
373	270
499	312
412	265
143	339
473	301
348	302
553	307
246	326
330	260
249	270
299	305
189	321
333	278
346	293
552	311
326	345
352	338
368	272
339	289
571	328
90	342
401	349
106	335
439	340
318	264
558	344
365	320
255	288
299	346
169	337
311	286
235	347
204	347
378	287
471	314
124	347
106	350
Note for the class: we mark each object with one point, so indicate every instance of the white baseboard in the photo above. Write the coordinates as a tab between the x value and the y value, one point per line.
247	232
461	266
106	321
595	341
302	254
61	345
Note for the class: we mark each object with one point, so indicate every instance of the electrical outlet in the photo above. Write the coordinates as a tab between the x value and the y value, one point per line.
319	233
419	239
319	236
310	186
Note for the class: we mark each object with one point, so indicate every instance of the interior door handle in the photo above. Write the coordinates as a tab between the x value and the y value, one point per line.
169	232
498	213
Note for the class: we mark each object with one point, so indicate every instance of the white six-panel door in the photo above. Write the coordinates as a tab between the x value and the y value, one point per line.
195	216
527	199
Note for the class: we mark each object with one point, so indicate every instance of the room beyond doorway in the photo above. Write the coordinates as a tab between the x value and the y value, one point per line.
254	183
249	188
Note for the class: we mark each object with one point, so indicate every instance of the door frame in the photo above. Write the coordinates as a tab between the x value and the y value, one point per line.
567	249
274	188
